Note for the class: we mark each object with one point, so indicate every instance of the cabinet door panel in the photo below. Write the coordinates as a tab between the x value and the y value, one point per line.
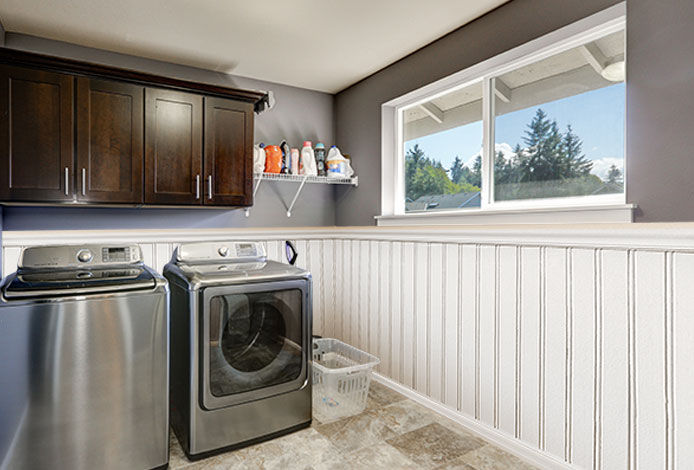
36	135
109	141
228	152
173	147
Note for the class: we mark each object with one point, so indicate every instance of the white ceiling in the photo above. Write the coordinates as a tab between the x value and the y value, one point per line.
316	44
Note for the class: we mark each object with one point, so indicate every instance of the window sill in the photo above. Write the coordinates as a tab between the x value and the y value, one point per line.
612	213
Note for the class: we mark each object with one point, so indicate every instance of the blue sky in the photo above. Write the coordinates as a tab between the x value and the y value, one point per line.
599	122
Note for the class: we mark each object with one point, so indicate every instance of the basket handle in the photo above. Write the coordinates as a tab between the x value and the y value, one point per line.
290	251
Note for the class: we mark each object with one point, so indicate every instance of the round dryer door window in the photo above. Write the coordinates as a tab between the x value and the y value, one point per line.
255	340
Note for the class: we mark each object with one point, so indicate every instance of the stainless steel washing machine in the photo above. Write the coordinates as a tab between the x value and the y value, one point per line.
240	346
84	344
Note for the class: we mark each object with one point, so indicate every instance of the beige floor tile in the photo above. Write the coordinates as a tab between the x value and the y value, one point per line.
177	458
405	416
490	457
380	396
434	445
298	450
379	456
357	432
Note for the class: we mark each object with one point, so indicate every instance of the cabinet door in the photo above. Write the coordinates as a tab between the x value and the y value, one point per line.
228	152
36	135
109	141
173	147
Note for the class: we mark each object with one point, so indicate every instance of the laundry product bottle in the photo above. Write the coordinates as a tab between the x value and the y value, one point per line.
286	157
259	158
295	162
320	158
273	159
338	166
308	160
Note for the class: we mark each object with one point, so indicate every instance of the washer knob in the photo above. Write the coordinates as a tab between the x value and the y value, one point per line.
223	251
84	256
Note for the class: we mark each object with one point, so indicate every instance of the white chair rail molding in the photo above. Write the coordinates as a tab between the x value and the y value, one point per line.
567	345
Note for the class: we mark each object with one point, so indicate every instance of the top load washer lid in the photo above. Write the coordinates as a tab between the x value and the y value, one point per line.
220	252
77	281
78	269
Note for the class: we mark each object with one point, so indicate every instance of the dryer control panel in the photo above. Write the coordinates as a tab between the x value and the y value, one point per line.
220	252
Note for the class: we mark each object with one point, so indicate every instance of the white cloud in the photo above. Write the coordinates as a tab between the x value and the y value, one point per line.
505	149
602	166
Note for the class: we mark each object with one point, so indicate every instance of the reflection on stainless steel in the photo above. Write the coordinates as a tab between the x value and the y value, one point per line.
240	351
83	377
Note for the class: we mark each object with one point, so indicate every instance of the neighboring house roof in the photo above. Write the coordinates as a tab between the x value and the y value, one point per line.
444	201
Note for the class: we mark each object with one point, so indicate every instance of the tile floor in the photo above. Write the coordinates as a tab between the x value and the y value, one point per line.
392	433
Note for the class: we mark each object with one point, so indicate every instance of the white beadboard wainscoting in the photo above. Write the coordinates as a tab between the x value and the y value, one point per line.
571	347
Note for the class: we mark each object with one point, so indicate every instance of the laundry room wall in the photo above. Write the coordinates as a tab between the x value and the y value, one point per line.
298	115
567	345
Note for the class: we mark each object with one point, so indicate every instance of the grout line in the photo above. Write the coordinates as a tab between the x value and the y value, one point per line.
444	323
669	377
459	337
542	347
631	346
402	318
477	332
427	327
519	338
568	404
597	387
497	313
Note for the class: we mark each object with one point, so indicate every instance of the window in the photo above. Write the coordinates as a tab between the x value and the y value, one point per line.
542	126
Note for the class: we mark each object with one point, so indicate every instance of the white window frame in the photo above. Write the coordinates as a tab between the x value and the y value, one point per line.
598	208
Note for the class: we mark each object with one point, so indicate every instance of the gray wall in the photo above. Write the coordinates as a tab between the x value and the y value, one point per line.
358	108
660	106
298	115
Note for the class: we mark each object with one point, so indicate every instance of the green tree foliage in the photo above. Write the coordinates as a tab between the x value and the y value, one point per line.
614	175
550	163
424	176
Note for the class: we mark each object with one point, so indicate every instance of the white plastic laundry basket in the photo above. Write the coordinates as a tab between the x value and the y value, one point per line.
341	379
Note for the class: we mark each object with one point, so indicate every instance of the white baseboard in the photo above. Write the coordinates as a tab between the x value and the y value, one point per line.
494	436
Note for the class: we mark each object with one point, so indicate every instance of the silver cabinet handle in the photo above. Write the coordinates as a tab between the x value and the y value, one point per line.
209	187
67	181
197	186
84	181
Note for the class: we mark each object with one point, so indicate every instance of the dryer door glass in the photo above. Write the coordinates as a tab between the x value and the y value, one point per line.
255	340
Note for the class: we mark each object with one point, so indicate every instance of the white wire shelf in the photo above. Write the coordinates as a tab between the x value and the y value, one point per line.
354	180
302	180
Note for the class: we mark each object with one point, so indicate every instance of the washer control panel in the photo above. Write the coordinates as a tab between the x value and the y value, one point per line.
73	256
84	256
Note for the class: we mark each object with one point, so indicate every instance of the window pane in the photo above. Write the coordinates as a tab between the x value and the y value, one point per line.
442	145
559	124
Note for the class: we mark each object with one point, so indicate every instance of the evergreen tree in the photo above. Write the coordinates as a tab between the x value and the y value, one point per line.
575	162
456	170
614	175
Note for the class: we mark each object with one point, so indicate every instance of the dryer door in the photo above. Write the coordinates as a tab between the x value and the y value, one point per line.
255	341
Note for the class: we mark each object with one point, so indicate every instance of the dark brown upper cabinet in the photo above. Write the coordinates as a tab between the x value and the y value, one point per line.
228	152
36	135
173	147
71	131
109	141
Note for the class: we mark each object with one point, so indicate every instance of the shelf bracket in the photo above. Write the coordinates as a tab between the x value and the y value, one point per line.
257	182
296	196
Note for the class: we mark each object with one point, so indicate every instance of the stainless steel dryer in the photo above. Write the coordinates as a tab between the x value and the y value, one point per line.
240	346
84	361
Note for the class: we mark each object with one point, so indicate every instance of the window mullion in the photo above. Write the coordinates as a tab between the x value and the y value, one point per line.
487	142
